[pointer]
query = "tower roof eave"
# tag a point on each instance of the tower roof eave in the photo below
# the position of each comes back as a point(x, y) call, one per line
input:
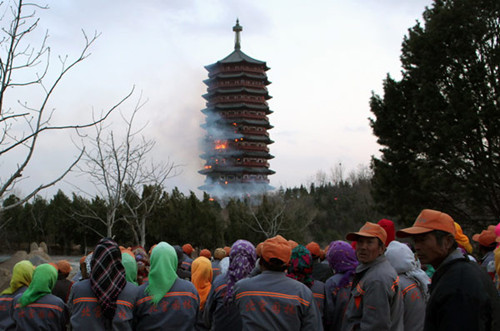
point(235, 57)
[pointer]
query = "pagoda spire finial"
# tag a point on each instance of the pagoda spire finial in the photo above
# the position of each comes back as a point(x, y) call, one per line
point(237, 28)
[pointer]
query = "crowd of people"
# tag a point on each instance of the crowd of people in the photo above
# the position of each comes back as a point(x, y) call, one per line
point(430, 281)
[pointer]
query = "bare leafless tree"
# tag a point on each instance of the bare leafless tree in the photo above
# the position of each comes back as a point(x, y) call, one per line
point(24, 66)
point(280, 215)
point(121, 170)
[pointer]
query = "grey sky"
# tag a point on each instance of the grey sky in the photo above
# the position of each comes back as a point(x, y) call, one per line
point(325, 58)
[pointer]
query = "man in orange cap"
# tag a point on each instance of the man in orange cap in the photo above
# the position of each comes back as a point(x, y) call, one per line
point(63, 284)
point(462, 296)
point(487, 244)
point(273, 301)
point(187, 260)
point(375, 301)
point(321, 271)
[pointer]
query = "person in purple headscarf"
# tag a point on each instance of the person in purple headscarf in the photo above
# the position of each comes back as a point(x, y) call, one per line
point(220, 312)
point(342, 259)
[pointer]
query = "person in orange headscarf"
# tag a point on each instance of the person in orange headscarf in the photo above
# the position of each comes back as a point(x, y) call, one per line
point(201, 277)
point(461, 239)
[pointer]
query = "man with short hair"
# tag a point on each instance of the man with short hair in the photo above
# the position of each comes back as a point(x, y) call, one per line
point(375, 300)
point(462, 296)
point(271, 300)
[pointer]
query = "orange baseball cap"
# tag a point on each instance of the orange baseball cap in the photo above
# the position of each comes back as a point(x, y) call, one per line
point(206, 253)
point(485, 238)
point(429, 220)
point(258, 249)
point(314, 248)
point(277, 248)
point(187, 248)
point(293, 244)
point(64, 267)
point(371, 230)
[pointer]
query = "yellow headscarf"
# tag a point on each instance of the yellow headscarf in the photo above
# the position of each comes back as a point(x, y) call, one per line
point(201, 277)
point(21, 276)
point(462, 239)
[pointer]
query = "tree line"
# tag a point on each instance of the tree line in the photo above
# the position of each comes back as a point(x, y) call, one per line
point(322, 211)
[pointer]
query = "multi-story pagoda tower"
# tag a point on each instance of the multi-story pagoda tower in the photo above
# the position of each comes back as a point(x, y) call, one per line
point(236, 151)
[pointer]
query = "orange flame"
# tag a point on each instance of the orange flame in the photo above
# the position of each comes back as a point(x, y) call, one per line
point(220, 144)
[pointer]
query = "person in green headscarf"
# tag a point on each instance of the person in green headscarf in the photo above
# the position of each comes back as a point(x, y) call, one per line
point(166, 301)
point(37, 308)
point(21, 279)
point(44, 279)
point(130, 266)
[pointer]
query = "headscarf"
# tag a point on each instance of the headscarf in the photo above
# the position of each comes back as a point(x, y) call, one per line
point(130, 267)
point(88, 265)
point(388, 226)
point(342, 259)
point(301, 266)
point(163, 271)
point(22, 273)
point(107, 277)
point(142, 259)
point(201, 277)
point(403, 260)
point(44, 279)
point(462, 239)
point(219, 253)
point(241, 262)
point(224, 265)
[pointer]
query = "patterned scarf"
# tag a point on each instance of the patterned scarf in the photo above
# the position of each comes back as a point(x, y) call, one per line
point(301, 266)
point(21, 276)
point(44, 279)
point(242, 259)
point(107, 276)
point(163, 273)
point(342, 259)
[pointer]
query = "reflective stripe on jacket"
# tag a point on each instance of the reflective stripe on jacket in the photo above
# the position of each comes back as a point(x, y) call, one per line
point(85, 311)
point(272, 301)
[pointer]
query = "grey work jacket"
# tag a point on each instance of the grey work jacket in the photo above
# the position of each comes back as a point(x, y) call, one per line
point(375, 302)
point(272, 301)
point(413, 304)
point(86, 314)
point(177, 310)
point(47, 313)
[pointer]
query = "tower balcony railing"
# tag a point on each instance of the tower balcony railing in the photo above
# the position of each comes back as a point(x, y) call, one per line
point(254, 148)
point(237, 99)
point(255, 132)
point(256, 181)
point(254, 164)
point(241, 68)
point(247, 115)
point(237, 84)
